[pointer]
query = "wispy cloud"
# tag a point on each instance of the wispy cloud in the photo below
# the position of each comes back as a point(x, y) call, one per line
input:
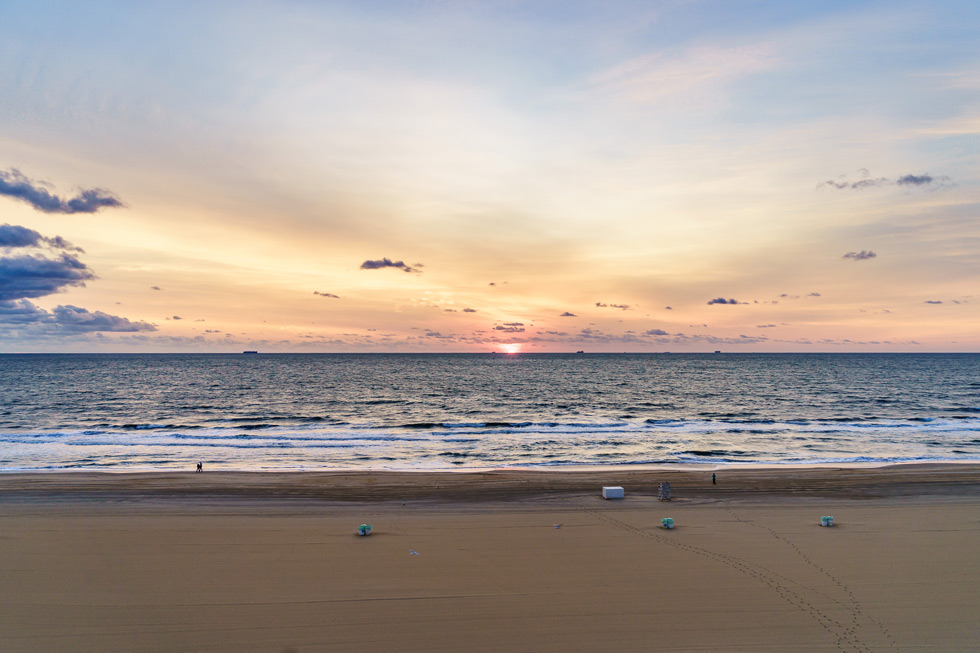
point(14, 184)
point(622, 307)
point(655, 77)
point(865, 181)
point(863, 255)
point(568, 314)
point(388, 263)
point(326, 294)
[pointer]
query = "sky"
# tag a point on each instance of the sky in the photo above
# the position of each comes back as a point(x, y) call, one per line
point(439, 176)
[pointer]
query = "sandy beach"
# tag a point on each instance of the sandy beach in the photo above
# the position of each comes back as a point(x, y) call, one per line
point(502, 560)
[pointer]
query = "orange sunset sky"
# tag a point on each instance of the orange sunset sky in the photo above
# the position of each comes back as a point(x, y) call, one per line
point(500, 176)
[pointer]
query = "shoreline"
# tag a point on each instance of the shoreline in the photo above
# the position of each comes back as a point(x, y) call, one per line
point(562, 468)
point(842, 482)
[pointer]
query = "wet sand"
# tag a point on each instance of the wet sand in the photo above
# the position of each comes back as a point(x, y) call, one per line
point(272, 562)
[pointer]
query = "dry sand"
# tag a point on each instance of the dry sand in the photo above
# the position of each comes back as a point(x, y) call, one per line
point(271, 562)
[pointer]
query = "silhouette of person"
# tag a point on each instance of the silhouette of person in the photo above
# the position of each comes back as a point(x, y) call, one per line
point(200, 467)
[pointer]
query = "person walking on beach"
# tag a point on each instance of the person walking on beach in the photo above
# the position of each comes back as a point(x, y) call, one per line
point(200, 467)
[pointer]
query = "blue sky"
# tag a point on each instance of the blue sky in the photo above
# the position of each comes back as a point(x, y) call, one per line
point(547, 164)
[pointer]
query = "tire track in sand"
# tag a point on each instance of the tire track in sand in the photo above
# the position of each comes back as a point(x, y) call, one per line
point(851, 602)
point(844, 638)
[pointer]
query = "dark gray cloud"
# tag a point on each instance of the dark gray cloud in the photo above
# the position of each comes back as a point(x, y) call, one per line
point(567, 314)
point(79, 320)
point(36, 276)
point(20, 311)
point(915, 180)
point(513, 327)
point(155, 288)
point(469, 310)
point(16, 236)
point(656, 332)
point(624, 307)
point(16, 185)
point(863, 255)
point(388, 263)
point(64, 320)
point(933, 301)
point(722, 300)
point(326, 294)
point(176, 317)
point(669, 308)
point(813, 294)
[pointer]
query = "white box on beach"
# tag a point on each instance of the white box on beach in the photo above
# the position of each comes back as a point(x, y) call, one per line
point(613, 492)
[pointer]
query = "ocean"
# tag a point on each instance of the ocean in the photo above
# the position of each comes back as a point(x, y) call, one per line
point(137, 412)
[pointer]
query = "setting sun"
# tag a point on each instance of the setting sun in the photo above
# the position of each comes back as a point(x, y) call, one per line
point(512, 348)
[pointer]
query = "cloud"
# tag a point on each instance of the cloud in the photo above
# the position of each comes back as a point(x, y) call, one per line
point(685, 76)
point(16, 236)
point(325, 294)
point(668, 308)
point(176, 317)
point(841, 183)
point(469, 310)
point(722, 300)
point(388, 263)
point(155, 288)
point(863, 255)
point(80, 320)
point(20, 311)
point(624, 307)
point(36, 276)
point(511, 327)
point(765, 326)
point(656, 332)
point(16, 185)
point(65, 320)
point(567, 314)
point(866, 181)
point(915, 180)
point(813, 294)
point(933, 301)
